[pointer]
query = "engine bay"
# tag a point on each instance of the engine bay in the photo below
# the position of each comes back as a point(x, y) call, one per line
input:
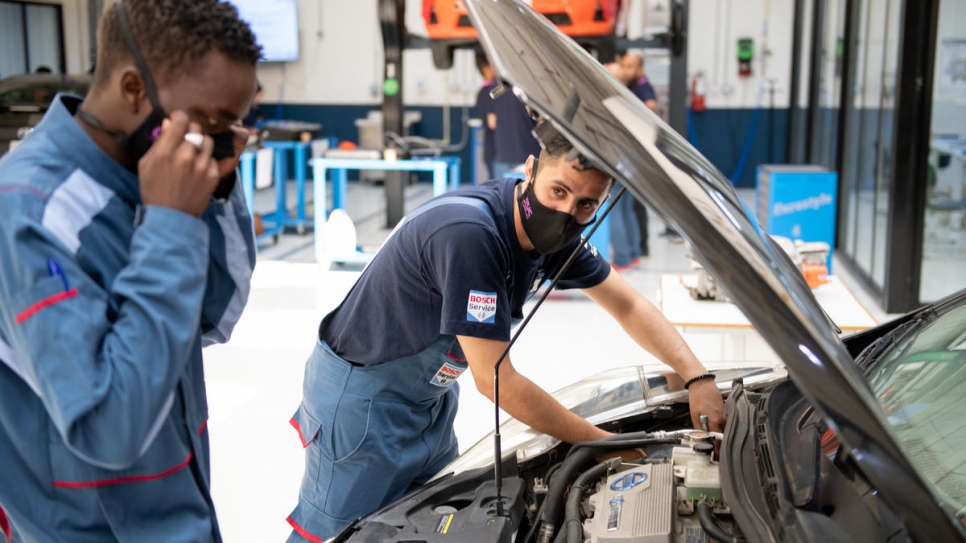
point(657, 499)
point(790, 486)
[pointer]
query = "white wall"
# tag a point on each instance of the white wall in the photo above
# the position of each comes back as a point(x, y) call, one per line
point(716, 26)
point(341, 61)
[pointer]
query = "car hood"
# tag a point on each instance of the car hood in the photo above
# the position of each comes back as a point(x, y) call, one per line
point(608, 125)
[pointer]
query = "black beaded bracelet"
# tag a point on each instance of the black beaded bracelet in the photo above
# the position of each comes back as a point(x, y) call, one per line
point(691, 381)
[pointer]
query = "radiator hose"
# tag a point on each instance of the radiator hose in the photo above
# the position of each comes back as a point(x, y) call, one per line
point(712, 528)
point(572, 530)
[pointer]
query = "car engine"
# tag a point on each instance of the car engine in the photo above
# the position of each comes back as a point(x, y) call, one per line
point(673, 495)
point(636, 504)
point(655, 500)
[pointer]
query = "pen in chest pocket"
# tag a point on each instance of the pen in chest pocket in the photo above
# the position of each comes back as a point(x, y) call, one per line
point(56, 271)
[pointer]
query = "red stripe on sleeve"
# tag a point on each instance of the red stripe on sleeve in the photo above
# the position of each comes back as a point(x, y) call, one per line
point(46, 302)
point(5, 526)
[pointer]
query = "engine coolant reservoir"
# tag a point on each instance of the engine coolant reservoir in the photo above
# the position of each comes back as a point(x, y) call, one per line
point(702, 478)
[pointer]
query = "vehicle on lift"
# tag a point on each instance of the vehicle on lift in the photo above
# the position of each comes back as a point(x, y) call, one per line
point(854, 439)
point(591, 23)
point(25, 98)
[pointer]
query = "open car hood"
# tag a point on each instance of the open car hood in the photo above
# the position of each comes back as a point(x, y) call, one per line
point(608, 125)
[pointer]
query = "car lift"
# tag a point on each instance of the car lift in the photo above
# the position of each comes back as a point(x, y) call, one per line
point(395, 38)
point(392, 16)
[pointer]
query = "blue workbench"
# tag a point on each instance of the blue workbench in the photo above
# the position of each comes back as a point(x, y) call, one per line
point(276, 221)
point(339, 167)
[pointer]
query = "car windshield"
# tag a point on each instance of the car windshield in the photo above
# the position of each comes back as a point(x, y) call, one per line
point(920, 385)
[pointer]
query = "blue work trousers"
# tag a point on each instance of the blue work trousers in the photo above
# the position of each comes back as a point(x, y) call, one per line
point(625, 234)
point(372, 433)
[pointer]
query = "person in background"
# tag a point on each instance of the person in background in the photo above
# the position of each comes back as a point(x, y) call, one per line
point(484, 107)
point(624, 230)
point(125, 247)
point(632, 66)
point(512, 127)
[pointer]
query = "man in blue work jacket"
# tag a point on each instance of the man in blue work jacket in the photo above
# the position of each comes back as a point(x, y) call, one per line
point(380, 392)
point(125, 246)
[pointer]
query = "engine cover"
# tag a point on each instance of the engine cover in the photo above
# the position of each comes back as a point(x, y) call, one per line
point(636, 505)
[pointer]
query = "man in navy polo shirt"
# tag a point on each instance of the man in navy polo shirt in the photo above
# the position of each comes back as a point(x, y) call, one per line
point(633, 67)
point(380, 390)
point(512, 128)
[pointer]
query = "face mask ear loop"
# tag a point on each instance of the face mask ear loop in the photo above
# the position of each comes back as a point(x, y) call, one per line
point(149, 87)
point(90, 119)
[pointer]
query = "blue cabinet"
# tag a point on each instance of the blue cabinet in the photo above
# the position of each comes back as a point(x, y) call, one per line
point(798, 202)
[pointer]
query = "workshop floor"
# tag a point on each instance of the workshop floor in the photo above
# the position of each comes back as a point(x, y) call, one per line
point(255, 381)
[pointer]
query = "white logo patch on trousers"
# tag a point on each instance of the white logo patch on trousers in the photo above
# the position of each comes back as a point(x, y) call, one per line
point(446, 374)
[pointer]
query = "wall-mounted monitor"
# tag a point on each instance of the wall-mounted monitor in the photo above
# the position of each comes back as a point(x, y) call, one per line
point(276, 27)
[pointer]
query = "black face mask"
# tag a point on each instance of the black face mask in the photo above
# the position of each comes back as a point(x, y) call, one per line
point(143, 137)
point(548, 229)
point(224, 145)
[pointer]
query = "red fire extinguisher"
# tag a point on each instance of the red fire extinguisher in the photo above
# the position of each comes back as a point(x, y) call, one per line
point(698, 91)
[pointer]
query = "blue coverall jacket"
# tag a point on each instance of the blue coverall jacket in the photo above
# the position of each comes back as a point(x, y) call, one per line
point(104, 308)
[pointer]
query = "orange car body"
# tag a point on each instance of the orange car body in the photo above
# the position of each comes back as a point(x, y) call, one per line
point(447, 19)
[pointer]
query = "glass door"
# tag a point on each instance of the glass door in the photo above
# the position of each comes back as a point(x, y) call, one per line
point(944, 228)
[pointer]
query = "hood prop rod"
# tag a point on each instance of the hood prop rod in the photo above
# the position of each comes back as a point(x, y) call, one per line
point(497, 447)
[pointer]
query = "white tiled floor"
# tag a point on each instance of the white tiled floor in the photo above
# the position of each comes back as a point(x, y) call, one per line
point(254, 381)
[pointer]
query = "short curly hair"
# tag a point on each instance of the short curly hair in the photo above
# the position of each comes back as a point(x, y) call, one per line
point(174, 34)
point(556, 147)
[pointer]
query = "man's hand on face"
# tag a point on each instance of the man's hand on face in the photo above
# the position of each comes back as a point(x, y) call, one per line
point(176, 174)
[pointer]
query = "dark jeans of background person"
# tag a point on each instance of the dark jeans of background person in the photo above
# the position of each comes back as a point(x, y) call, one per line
point(640, 211)
point(624, 232)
